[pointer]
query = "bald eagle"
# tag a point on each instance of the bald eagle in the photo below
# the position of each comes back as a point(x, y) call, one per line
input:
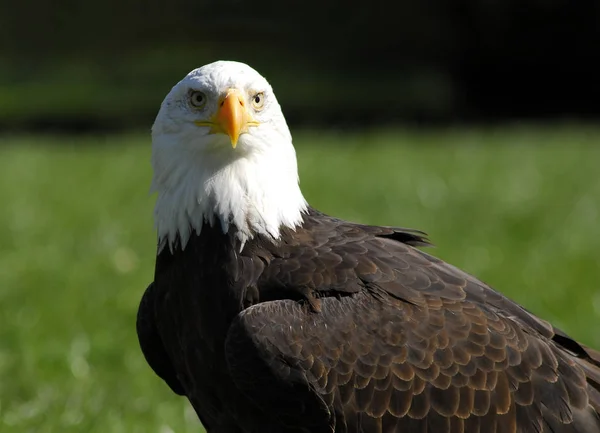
point(272, 317)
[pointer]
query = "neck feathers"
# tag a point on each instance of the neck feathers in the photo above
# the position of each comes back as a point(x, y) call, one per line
point(244, 192)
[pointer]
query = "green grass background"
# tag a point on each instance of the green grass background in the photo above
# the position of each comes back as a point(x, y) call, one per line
point(518, 207)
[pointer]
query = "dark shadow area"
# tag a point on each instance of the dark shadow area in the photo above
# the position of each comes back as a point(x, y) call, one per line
point(106, 66)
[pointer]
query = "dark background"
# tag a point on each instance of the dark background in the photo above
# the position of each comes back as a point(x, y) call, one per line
point(96, 66)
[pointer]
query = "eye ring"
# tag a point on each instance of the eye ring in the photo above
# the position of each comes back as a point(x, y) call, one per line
point(258, 100)
point(197, 99)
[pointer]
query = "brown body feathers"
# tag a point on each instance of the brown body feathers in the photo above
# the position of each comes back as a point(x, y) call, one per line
point(341, 327)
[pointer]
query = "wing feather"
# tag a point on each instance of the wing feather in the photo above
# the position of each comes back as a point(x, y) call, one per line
point(404, 342)
point(151, 343)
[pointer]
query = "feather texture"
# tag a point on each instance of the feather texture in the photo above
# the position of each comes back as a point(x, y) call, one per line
point(400, 341)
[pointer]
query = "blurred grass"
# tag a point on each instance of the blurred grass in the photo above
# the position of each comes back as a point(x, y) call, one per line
point(517, 207)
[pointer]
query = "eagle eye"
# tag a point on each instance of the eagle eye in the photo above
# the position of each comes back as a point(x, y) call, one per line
point(197, 99)
point(258, 100)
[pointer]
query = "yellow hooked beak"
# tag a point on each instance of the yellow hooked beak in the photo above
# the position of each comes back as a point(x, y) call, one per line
point(232, 117)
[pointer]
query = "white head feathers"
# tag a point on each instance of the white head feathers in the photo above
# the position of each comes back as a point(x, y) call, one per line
point(199, 172)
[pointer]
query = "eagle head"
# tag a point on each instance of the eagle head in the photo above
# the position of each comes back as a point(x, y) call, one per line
point(222, 156)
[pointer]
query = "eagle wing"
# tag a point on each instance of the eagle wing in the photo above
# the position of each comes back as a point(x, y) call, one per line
point(394, 340)
point(151, 343)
